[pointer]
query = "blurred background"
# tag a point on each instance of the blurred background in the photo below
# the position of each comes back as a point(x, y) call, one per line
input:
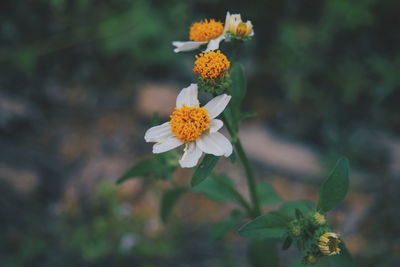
point(80, 80)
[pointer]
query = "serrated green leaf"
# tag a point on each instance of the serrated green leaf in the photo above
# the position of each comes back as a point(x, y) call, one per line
point(268, 225)
point(220, 229)
point(204, 169)
point(144, 167)
point(334, 189)
point(267, 194)
point(263, 253)
point(168, 201)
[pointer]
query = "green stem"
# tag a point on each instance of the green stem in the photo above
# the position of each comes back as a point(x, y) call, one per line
point(250, 178)
point(256, 211)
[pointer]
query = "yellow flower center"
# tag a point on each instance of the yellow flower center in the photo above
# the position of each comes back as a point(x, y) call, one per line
point(241, 29)
point(211, 64)
point(205, 30)
point(188, 123)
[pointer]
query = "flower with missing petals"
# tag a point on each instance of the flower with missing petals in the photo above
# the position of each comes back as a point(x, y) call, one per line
point(210, 32)
point(329, 244)
point(194, 126)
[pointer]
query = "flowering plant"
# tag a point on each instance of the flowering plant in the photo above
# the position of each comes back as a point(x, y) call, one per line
point(196, 127)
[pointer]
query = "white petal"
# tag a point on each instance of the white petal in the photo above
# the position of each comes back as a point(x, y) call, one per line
point(216, 105)
point(166, 144)
point(158, 133)
point(188, 96)
point(186, 46)
point(215, 125)
point(213, 44)
point(216, 144)
point(227, 18)
point(191, 156)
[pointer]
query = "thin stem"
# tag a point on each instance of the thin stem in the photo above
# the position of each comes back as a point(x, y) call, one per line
point(250, 178)
point(256, 211)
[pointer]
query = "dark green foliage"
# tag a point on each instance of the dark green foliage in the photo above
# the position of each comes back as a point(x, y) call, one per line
point(268, 225)
point(267, 194)
point(263, 253)
point(142, 168)
point(168, 201)
point(220, 229)
point(334, 189)
point(204, 169)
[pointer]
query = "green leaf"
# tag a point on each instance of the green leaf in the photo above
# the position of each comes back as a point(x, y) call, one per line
point(247, 114)
point(218, 187)
point(233, 157)
point(220, 229)
point(287, 243)
point(334, 189)
point(298, 213)
point(238, 84)
point(165, 164)
point(268, 225)
point(169, 200)
point(289, 208)
point(204, 169)
point(267, 194)
point(263, 253)
point(144, 167)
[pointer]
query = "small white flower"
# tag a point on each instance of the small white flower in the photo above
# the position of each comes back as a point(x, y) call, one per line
point(235, 26)
point(194, 126)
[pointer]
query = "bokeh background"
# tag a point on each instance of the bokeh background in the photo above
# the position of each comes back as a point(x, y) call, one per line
point(80, 80)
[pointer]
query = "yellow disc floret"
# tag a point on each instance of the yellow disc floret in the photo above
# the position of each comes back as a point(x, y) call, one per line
point(189, 123)
point(329, 244)
point(205, 30)
point(211, 64)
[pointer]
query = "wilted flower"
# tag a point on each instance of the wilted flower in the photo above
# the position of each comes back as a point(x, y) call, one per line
point(194, 126)
point(236, 28)
point(329, 244)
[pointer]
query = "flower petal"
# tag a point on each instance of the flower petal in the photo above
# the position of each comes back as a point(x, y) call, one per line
point(186, 46)
point(227, 18)
point(158, 133)
point(213, 44)
point(188, 96)
point(166, 145)
point(216, 144)
point(216, 105)
point(191, 156)
point(215, 125)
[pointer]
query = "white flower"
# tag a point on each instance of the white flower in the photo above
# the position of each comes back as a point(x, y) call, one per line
point(210, 32)
point(235, 26)
point(194, 126)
